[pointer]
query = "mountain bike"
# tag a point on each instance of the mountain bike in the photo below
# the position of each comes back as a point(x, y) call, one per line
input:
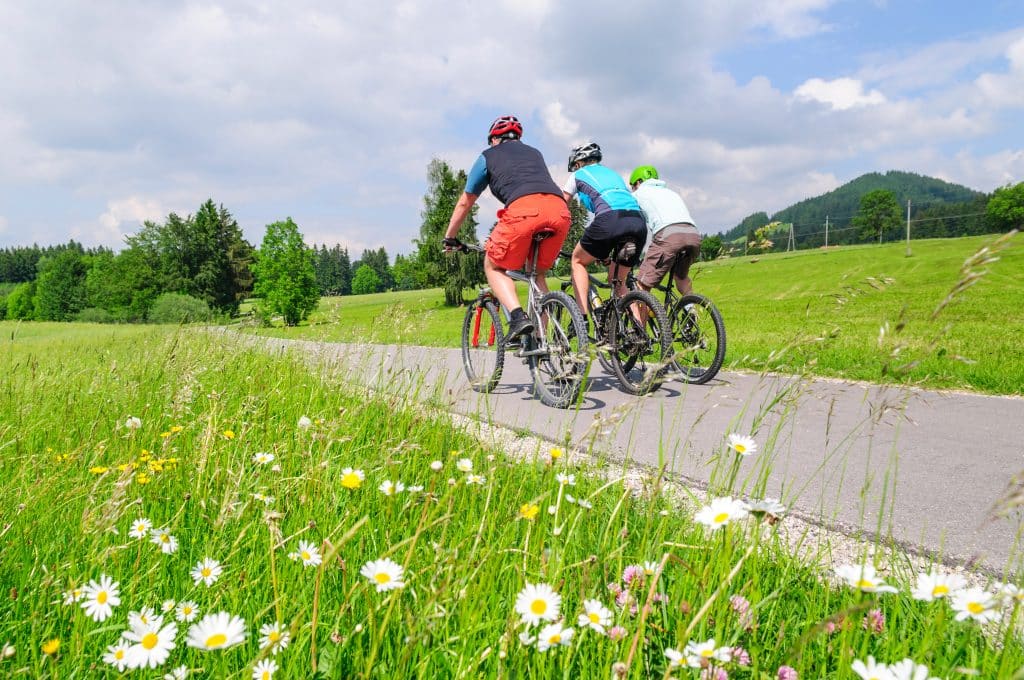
point(556, 351)
point(698, 334)
point(632, 332)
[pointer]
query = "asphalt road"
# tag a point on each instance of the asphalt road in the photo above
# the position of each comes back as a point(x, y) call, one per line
point(924, 468)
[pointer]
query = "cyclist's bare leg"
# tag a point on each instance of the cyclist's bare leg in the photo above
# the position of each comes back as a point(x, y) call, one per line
point(503, 287)
point(684, 286)
point(580, 279)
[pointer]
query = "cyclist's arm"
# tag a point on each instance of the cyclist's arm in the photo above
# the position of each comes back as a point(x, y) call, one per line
point(462, 208)
point(476, 182)
point(569, 188)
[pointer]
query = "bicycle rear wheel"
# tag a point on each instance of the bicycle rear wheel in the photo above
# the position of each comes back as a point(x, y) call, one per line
point(640, 351)
point(483, 353)
point(698, 339)
point(560, 369)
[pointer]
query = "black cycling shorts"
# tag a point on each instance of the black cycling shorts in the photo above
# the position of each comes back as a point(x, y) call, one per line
point(609, 228)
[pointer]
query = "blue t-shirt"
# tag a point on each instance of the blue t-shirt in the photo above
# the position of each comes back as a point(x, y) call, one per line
point(600, 189)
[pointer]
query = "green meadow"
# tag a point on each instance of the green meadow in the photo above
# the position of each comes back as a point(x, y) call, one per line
point(178, 501)
point(820, 311)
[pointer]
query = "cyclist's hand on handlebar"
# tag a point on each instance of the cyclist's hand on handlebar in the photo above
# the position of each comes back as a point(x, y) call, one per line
point(453, 244)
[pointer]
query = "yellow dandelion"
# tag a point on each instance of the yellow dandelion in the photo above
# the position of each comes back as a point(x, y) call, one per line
point(556, 453)
point(529, 511)
point(98, 469)
point(50, 647)
point(176, 428)
point(165, 435)
point(228, 434)
point(142, 478)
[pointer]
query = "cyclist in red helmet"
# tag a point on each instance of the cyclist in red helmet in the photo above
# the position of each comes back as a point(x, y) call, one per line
point(518, 177)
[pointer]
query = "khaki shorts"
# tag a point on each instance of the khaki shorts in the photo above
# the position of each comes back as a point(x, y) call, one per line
point(676, 251)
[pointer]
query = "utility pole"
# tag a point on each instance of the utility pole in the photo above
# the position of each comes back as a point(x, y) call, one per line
point(791, 243)
point(826, 231)
point(908, 227)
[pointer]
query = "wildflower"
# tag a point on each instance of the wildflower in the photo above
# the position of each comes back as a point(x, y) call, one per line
point(908, 670)
point(153, 643)
point(713, 673)
point(162, 537)
point(553, 635)
point(787, 673)
point(264, 498)
point(265, 669)
point(167, 606)
point(51, 646)
point(585, 504)
point(142, 478)
point(464, 465)
point(616, 633)
point(873, 621)
point(595, 615)
point(871, 670)
point(117, 656)
point(304, 423)
point(863, 577)
point(7, 651)
point(721, 512)
point(389, 488)
point(650, 568)
point(308, 553)
point(555, 453)
point(133, 423)
point(186, 611)
point(99, 469)
point(73, 595)
point(179, 673)
point(101, 597)
point(529, 511)
point(479, 480)
point(207, 571)
point(415, 488)
point(144, 617)
point(675, 657)
point(740, 656)
point(974, 603)
point(384, 573)
point(351, 478)
point(436, 465)
point(770, 508)
point(275, 638)
point(565, 480)
point(633, 575)
point(526, 639)
point(935, 585)
point(536, 603)
point(1009, 592)
point(228, 434)
point(699, 654)
point(741, 606)
point(263, 458)
point(742, 444)
point(217, 631)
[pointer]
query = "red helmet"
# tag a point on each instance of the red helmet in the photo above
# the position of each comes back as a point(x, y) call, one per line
point(506, 127)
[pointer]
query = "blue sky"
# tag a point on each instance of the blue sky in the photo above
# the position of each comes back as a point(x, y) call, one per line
point(329, 112)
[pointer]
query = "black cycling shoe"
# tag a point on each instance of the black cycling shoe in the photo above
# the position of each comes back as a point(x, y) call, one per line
point(518, 328)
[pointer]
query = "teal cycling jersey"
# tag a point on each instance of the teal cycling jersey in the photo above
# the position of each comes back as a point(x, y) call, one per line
point(600, 189)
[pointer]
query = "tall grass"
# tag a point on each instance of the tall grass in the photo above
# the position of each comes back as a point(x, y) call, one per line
point(102, 427)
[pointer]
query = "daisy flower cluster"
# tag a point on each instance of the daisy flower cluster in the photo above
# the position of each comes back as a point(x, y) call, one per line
point(907, 669)
point(540, 605)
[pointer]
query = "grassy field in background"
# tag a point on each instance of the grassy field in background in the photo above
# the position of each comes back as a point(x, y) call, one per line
point(819, 311)
point(250, 460)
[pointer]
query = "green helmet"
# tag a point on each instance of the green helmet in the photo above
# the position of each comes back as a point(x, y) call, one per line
point(643, 172)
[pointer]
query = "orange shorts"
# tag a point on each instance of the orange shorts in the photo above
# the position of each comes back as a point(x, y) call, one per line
point(508, 246)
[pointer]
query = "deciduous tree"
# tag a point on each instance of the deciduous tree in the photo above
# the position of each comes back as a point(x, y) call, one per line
point(285, 279)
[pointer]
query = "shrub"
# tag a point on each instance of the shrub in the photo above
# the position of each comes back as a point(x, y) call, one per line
point(20, 303)
point(178, 308)
point(95, 315)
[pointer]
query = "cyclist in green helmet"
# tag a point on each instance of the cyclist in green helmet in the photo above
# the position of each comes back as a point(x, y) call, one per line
point(674, 242)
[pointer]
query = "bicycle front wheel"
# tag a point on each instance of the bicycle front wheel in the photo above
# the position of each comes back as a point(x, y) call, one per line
point(640, 337)
point(698, 339)
point(559, 365)
point(483, 353)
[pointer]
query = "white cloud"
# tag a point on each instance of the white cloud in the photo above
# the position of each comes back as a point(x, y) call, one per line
point(122, 217)
point(1005, 90)
point(557, 123)
point(3, 224)
point(840, 94)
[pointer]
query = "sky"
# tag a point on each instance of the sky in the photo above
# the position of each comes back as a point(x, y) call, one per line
point(329, 112)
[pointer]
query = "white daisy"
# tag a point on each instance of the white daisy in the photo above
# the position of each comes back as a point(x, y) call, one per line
point(384, 573)
point(1008, 592)
point(304, 423)
point(308, 554)
point(436, 465)
point(207, 571)
point(389, 488)
point(263, 458)
point(274, 636)
point(769, 507)
point(565, 479)
point(553, 635)
point(585, 504)
point(720, 512)
point(479, 480)
point(117, 656)
point(975, 603)
point(153, 643)
point(909, 670)
point(73, 595)
point(186, 611)
point(144, 617)
point(179, 673)
point(264, 498)
point(936, 585)
point(526, 638)
point(871, 670)
point(698, 654)
point(352, 479)
point(674, 656)
point(167, 606)
point(595, 615)
point(163, 538)
point(464, 465)
point(742, 444)
point(415, 488)
point(217, 631)
point(651, 568)
point(536, 603)
point(264, 670)
point(140, 528)
point(863, 577)
point(100, 598)
point(133, 423)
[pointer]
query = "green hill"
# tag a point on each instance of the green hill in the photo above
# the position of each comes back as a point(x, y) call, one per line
point(928, 196)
